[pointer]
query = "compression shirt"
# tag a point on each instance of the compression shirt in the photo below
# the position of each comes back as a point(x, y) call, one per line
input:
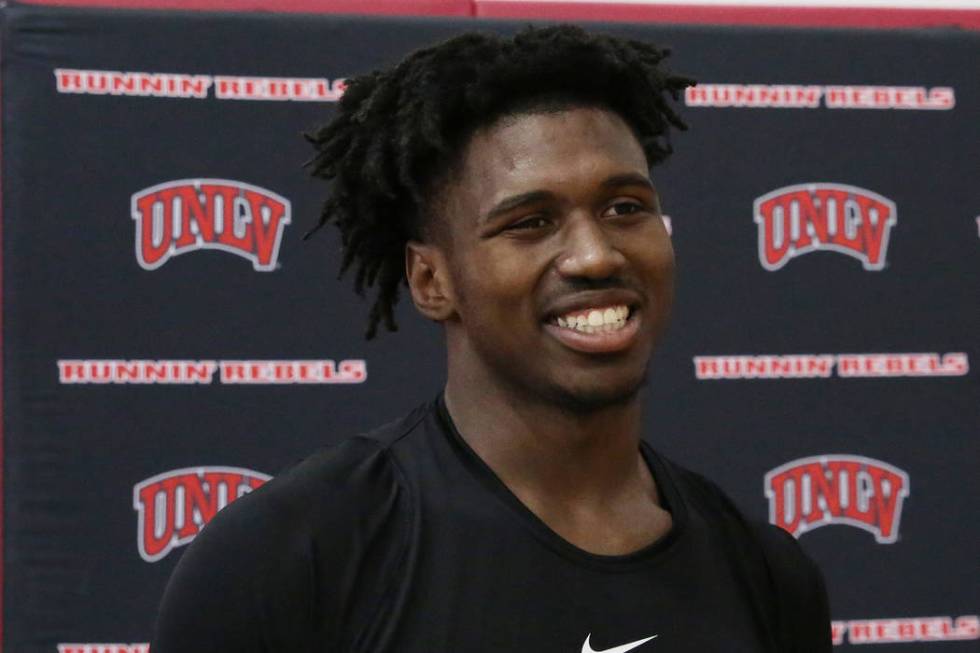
point(404, 541)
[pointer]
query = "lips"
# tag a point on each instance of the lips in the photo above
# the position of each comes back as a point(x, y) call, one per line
point(604, 342)
point(596, 323)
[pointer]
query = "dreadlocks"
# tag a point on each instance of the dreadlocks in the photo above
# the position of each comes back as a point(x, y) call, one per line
point(399, 132)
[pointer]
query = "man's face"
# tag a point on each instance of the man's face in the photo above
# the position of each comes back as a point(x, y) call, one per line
point(560, 265)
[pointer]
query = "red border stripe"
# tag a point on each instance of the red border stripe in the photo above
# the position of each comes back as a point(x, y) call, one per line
point(867, 17)
point(386, 7)
point(737, 15)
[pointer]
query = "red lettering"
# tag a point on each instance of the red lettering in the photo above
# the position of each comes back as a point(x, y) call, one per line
point(96, 82)
point(906, 630)
point(196, 86)
point(352, 370)
point(199, 371)
point(837, 630)
point(808, 96)
point(128, 371)
point(786, 499)
point(204, 497)
point(812, 220)
point(847, 221)
point(705, 367)
point(859, 507)
point(227, 87)
point(197, 500)
point(123, 84)
point(942, 98)
point(968, 627)
point(197, 218)
point(71, 371)
point(774, 238)
point(268, 218)
point(155, 546)
point(822, 487)
point(238, 220)
point(232, 372)
point(154, 230)
point(860, 632)
point(821, 366)
point(157, 371)
point(68, 81)
point(876, 217)
point(889, 487)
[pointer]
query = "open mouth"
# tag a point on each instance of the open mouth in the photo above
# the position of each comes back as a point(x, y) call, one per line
point(598, 329)
point(606, 319)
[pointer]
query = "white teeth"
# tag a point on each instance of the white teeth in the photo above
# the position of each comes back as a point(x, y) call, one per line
point(604, 320)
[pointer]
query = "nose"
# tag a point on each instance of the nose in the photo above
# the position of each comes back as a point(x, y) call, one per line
point(587, 250)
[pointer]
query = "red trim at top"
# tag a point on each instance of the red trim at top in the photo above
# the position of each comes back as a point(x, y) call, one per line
point(578, 11)
point(738, 15)
point(390, 7)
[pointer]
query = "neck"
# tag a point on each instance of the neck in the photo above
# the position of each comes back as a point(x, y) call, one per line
point(544, 451)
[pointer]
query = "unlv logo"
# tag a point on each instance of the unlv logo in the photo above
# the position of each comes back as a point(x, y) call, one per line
point(796, 220)
point(190, 214)
point(837, 489)
point(174, 506)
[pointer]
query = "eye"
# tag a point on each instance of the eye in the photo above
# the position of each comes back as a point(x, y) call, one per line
point(528, 224)
point(624, 207)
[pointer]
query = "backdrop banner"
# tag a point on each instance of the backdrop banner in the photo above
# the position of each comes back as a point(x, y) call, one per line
point(170, 342)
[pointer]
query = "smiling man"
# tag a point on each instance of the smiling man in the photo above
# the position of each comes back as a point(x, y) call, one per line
point(506, 182)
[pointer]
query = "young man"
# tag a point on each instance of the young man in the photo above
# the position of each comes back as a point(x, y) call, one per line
point(507, 182)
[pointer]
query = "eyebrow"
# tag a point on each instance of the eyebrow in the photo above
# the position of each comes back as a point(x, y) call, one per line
point(629, 179)
point(515, 201)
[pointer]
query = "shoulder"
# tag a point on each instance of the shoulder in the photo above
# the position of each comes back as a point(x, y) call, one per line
point(702, 491)
point(255, 571)
point(801, 594)
point(786, 580)
point(783, 554)
point(337, 496)
point(332, 487)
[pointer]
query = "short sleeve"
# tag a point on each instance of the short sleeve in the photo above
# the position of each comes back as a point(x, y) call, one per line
point(243, 585)
point(295, 566)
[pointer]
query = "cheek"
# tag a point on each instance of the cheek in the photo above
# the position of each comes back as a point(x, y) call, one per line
point(502, 270)
point(493, 280)
point(665, 285)
point(654, 255)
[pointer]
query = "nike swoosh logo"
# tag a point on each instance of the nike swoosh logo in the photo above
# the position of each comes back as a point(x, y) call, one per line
point(587, 646)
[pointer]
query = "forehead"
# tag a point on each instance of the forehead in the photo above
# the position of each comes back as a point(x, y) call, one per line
point(555, 151)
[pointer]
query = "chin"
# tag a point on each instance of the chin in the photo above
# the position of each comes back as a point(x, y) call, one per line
point(594, 398)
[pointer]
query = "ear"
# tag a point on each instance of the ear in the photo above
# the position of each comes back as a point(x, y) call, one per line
point(427, 272)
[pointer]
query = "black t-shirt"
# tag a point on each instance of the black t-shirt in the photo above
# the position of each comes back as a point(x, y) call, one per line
point(404, 541)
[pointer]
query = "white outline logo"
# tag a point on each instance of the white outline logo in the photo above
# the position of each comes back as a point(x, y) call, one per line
point(587, 646)
point(803, 218)
point(187, 215)
point(807, 493)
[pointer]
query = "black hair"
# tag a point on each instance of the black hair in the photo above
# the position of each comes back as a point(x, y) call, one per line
point(399, 132)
